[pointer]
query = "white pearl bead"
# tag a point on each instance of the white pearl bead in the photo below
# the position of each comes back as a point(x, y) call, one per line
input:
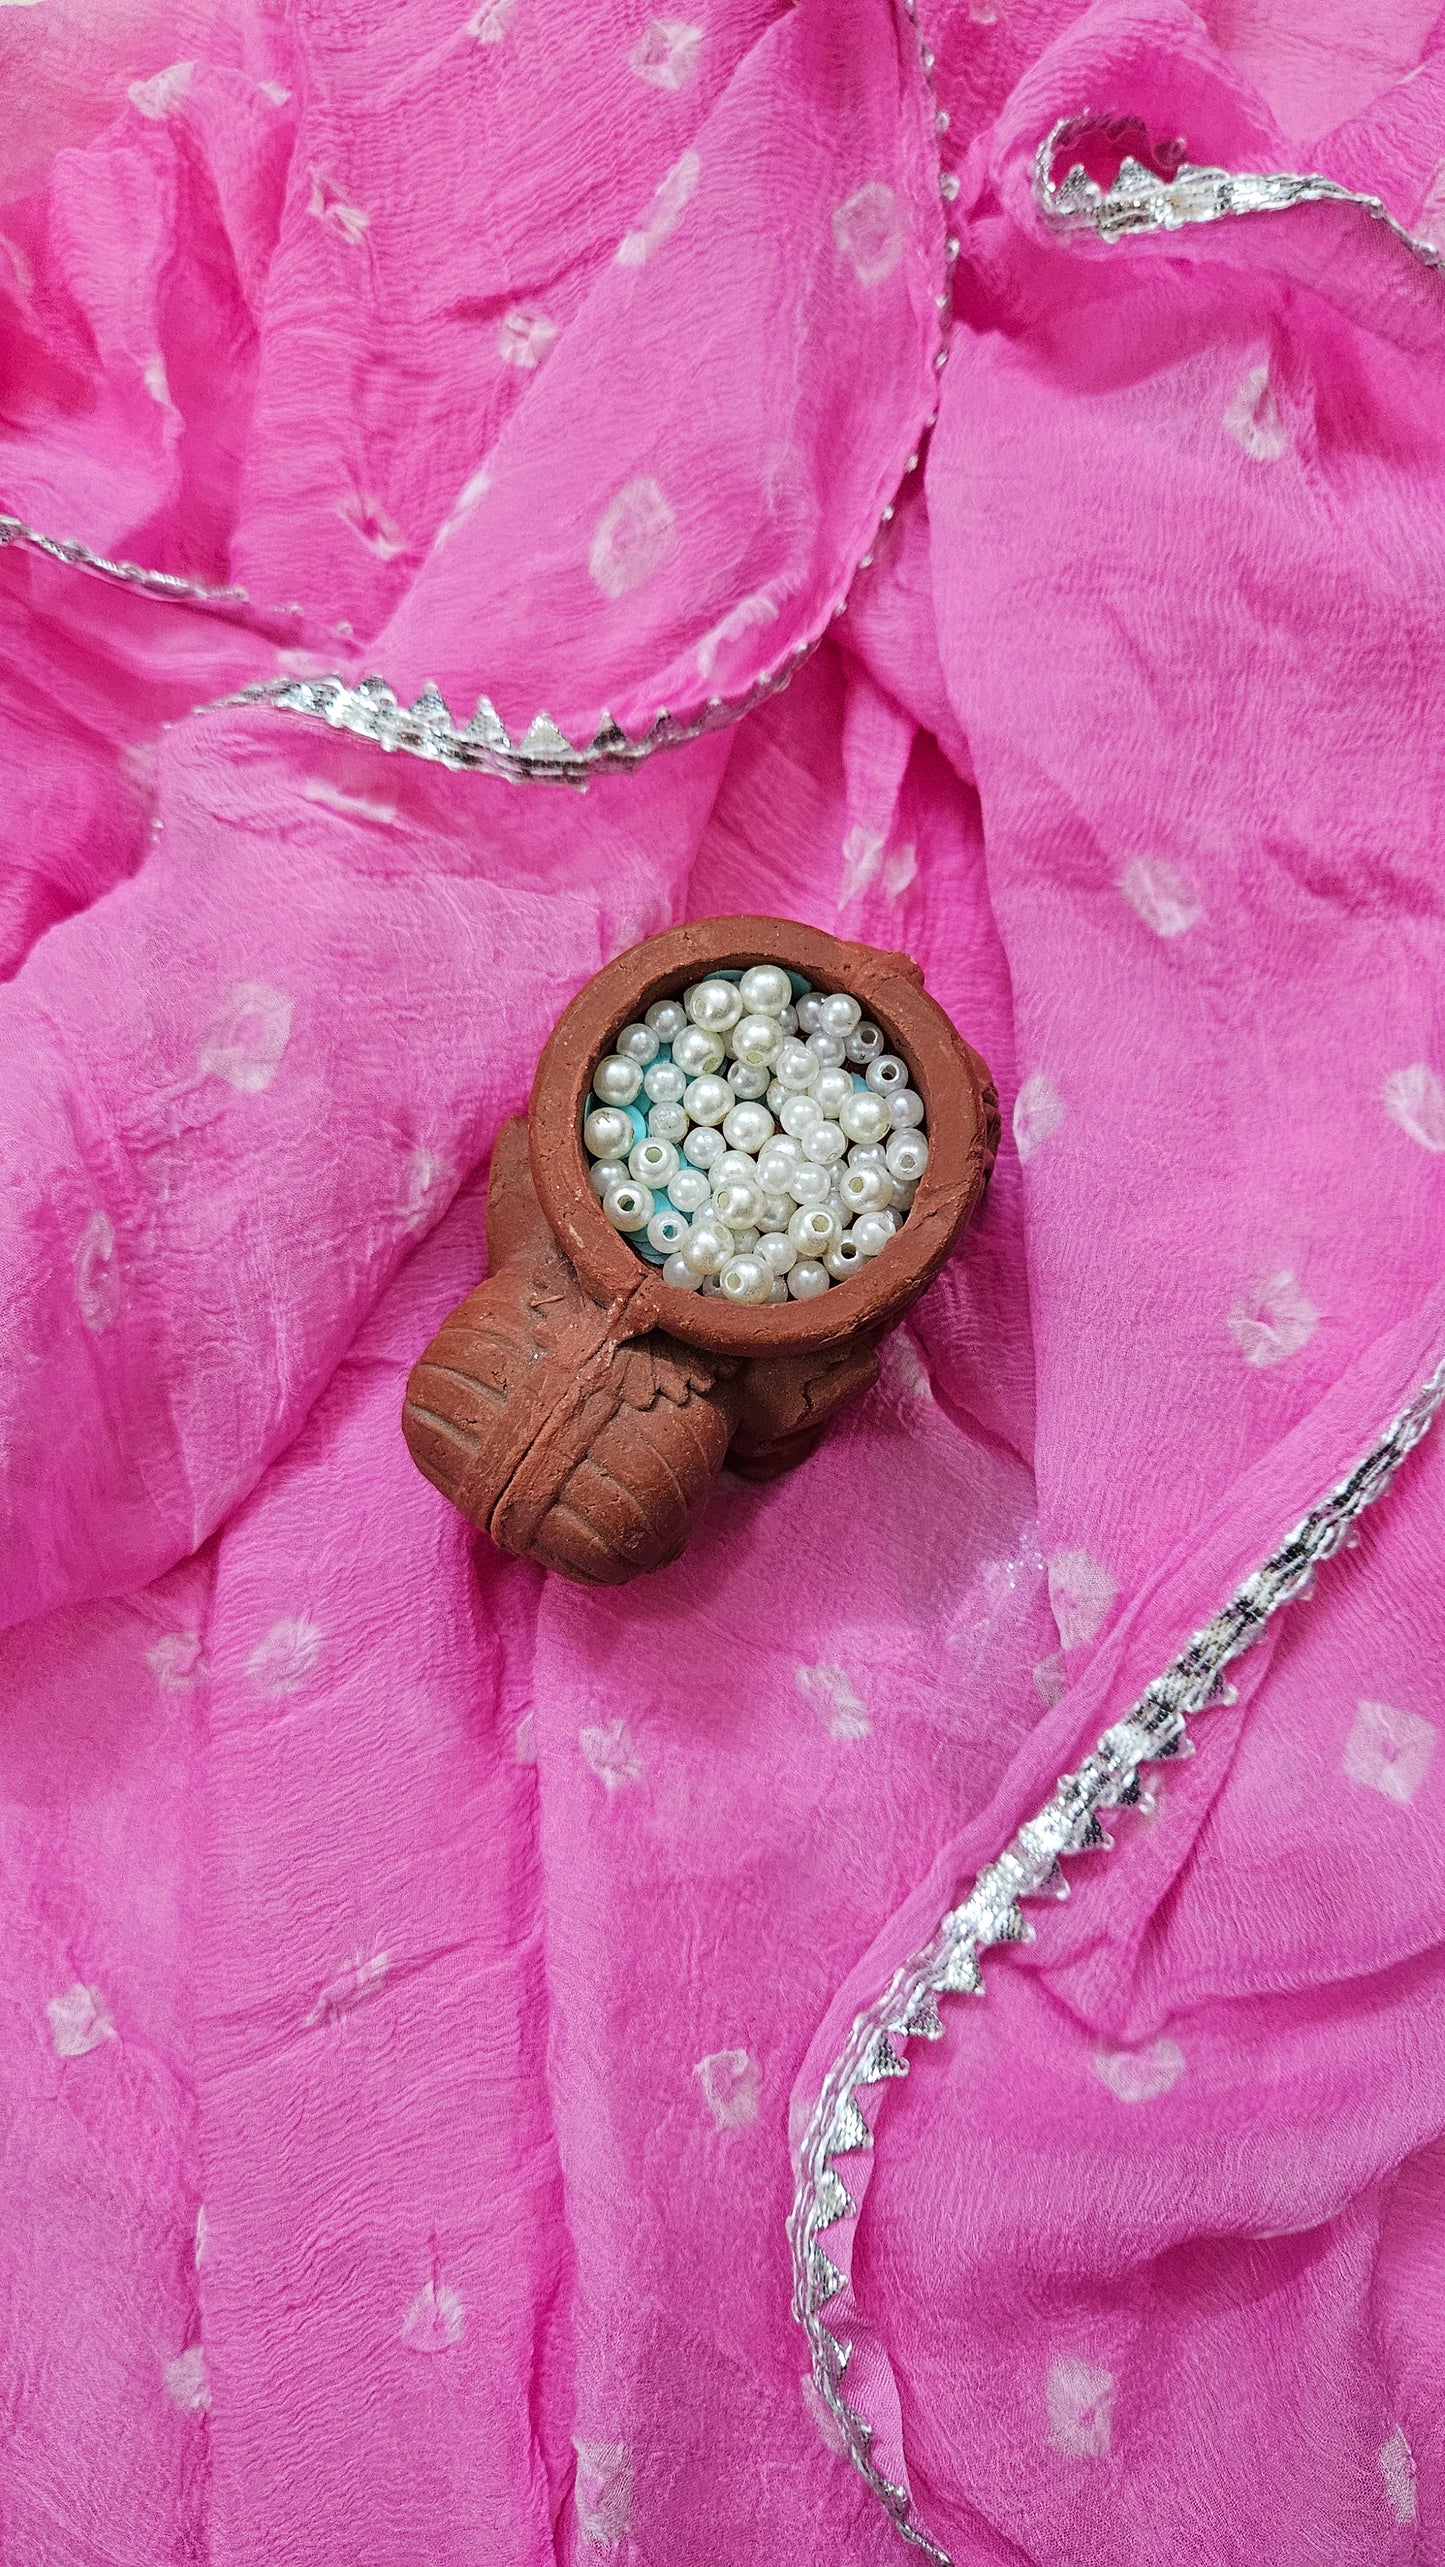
point(779, 1291)
point(813, 1229)
point(711, 1288)
point(887, 1074)
point(709, 1099)
point(747, 1280)
point(757, 1040)
point(833, 1091)
point(628, 1206)
point(667, 1230)
point(777, 1252)
point(810, 1012)
point(697, 1052)
point(703, 1146)
point(605, 1174)
point(798, 1114)
point(708, 1246)
point(653, 1162)
point(844, 1258)
point(739, 1203)
point(615, 1081)
point(873, 1230)
point(690, 1190)
point(775, 1159)
point(808, 1279)
point(905, 1110)
point(902, 1202)
point(907, 1157)
point(796, 1068)
point(744, 1241)
point(747, 1082)
point(668, 1122)
point(867, 1154)
point(789, 1020)
point(608, 1132)
point(776, 1096)
point(824, 1143)
point(865, 1043)
point(841, 1014)
point(778, 1210)
point(677, 1272)
point(748, 1127)
point(664, 1083)
point(765, 990)
point(714, 1004)
point(808, 1183)
point(667, 1019)
point(864, 1116)
point(733, 1163)
point(864, 1190)
point(638, 1043)
point(827, 1049)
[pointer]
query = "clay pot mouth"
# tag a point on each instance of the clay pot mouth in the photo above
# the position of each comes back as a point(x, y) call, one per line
point(889, 987)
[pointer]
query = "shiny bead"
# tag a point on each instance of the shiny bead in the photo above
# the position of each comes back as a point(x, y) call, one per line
point(744, 1241)
point(833, 1091)
point(798, 1114)
point(902, 1203)
point(789, 1020)
point(867, 1154)
point(709, 1099)
point(743, 1081)
point(778, 1210)
point(748, 1127)
point(628, 1206)
point(697, 1052)
point(873, 1230)
point(844, 1258)
point(810, 1013)
point(827, 1049)
point(605, 1174)
point(905, 1109)
point(864, 1116)
point(668, 1122)
point(887, 1074)
point(840, 1014)
point(779, 1291)
point(824, 1143)
point(638, 1043)
point(667, 1019)
point(865, 1043)
point(653, 1163)
point(808, 1183)
point(703, 1146)
point(667, 1230)
point(776, 1092)
point(690, 1190)
point(711, 1288)
point(796, 1068)
point(708, 1246)
point(664, 1083)
point(747, 1280)
point(733, 1164)
point(608, 1132)
point(907, 1157)
point(714, 1004)
point(864, 1190)
point(615, 1081)
point(757, 1040)
point(775, 1159)
point(807, 1279)
point(765, 990)
point(677, 1272)
point(813, 1229)
point(739, 1203)
point(777, 1252)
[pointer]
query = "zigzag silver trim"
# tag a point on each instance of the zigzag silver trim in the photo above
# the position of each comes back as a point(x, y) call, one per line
point(1139, 200)
point(1029, 1867)
point(153, 583)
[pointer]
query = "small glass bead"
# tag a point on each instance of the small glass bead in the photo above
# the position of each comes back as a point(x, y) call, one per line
point(813, 1229)
point(833, 1091)
point(664, 1083)
point(608, 1132)
point(703, 1146)
point(873, 1230)
point(668, 1122)
point(905, 1109)
point(864, 1116)
point(697, 1052)
point(667, 1019)
point(747, 1280)
point(714, 1004)
point(844, 1258)
point(757, 1040)
point(708, 1246)
point(865, 1043)
point(733, 1163)
point(739, 1203)
point(748, 1127)
point(887, 1074)
point(798, 1114)
point(865, 1190)
point(690, 1190)
point(827, 1049)
point(808, 1183)
point(796, 1067)
point(747, 1082)
point(615, 1081)
point(810, 1013)
point(709, 1099)
point(824, 1143)
point(605, 1174)
point(841, 1014)
point(653, 1163)
point(628, 1206)
point(779, 1291)
point(765, 990)
point(807, 1279)
point(777, 1252)
point(677, 1272)
point(638, 1043)
point(907, 1156)
point(667, 1230)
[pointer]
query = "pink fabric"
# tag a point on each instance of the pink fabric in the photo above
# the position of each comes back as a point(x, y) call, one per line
point(417, 1967)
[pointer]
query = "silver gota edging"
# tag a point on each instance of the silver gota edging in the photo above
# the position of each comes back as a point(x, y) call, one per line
point(1070, 1823)
point(152, 583)
point(1139, 200)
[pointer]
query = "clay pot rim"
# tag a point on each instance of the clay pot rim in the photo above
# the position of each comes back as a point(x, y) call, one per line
point(949, 1076)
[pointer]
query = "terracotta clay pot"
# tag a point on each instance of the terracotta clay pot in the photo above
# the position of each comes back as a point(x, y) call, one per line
point(576, 1407)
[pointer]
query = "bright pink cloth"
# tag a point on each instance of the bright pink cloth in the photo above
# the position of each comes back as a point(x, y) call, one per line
point(416, 1966)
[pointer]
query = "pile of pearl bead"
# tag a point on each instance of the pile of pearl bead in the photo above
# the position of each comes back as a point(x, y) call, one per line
point(754, 1137)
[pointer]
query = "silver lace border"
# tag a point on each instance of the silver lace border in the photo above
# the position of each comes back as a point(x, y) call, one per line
point(1139, 200)
point(1070, 1823)
point(150, 583)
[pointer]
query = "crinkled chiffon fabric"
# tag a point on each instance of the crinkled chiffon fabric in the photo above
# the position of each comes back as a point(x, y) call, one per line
point(421, 1974)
